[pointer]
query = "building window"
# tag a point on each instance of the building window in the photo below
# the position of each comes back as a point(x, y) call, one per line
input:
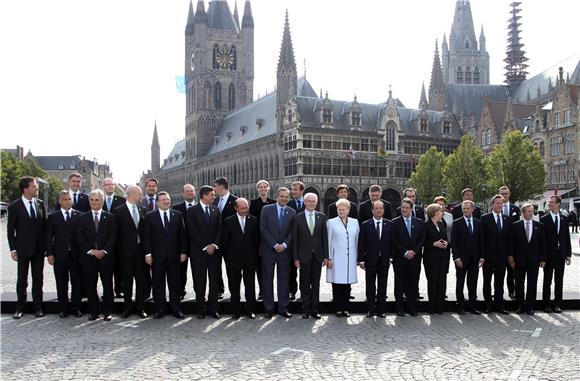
point(216, 50)
point(555, 146)
point(459, 75)
point(446, 127)
point(234, 55)
point(327, 116)
point(61, 166)
point(467, 75)
point(557, 119)
point(567, 118)
point(483, 135)
point(476, 76)
point(390, 136)
point(488, 136)
point(217, 97)
point(232, 97)
point(467, 45)
point(290, 142)
point(569, 144)
point(355, 118)
point(423, 124)
point(290, 116)
point(542, 149)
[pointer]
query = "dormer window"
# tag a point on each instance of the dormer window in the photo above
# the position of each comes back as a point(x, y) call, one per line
point(423, 125)
point(355, 118)
point(61, 166)
point(326, 116)
point(446, 127)
point(259, 123)
point(229, 135)
point(243, 130)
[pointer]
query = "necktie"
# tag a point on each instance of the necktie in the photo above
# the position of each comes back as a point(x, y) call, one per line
point(221, 204)
point(151, 206)
point(67, 218)
point(469, 226)
point(498, 223)
point(207, 215)
point(528, 231)
point(297, 204)
point(408, 222)
point(311, 223)
point(378, 227)
point(165, 221)
point(243, 224)
point(109, 202)
point(74, 199)
point(506, 211)
point(135, 216)
point(281, 217)
point(414, 214)
point(97, 222)
point(32, 212)
point(556, 225)
point(189, 205)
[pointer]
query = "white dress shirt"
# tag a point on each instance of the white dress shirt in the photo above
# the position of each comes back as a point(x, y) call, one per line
point(27, 205)
point(375, 221)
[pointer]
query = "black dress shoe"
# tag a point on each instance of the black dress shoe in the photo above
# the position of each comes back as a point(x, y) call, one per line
point(126, 314)
point(108, 317)
point(201, 315)
point(419, 297)
point(269, 315)
point(215, 315)
point(305, 316)
point(382, 315)
point(316, 316)
point(530, 312)
point(158, 315)
point(220, 295)
point(512, 295)
point(548, 309)
point(39, 313)
point(178, 315)
point(17, 315)
point(557, 310)
point(520, 310)
point(475, 312)
point(400, 313)
point(339, 314)
point(251, 315)
point(487, 311)
point(286, 315)
point(259, 298)
point(142, 314)
point(236, 316)
point(370, 314)
point(413, 313)
point(62, 315)
point(346, 314)
point(351, 297)
point(461, 311)
point(292, 297)
point(93, 317)
point(503, 312)
point(119, 295)
point(77, 314)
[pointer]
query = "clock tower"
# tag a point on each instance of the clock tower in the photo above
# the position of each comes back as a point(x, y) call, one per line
point(219, 69)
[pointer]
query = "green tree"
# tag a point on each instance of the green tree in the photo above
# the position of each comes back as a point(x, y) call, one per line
point(464, 168)
point(428, 175)
point(9, 176)
point(516, 163)
point(55, 186)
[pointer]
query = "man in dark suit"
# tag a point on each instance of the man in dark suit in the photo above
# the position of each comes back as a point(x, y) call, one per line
point(26, 220)
point(365, 209)
point(417, 211)
point(96, 234)
point(296, 203)
point(409, 238)
point(495, 229)
point(62, 253)
point(527, 253)
point(512, 212)
point(343, 192)
point(240, 241)
point(129, 219)
point(457, 211)
point(164, 242)
point(203, 223)
point(310, 253)
point(276, 232)
point(466, 242)
point(375, 250)
point(80, 199)
point(225, 201)
point(112, 201)
point(149, 202)
point(188, 195)
point(559, 254)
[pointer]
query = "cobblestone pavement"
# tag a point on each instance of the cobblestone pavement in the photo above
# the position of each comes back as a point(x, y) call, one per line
point(447, 347)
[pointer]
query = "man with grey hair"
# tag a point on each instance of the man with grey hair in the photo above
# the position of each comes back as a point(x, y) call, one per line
point(96, 234)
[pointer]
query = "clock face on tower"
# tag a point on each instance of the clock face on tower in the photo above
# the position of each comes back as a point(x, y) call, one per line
point(225, 58)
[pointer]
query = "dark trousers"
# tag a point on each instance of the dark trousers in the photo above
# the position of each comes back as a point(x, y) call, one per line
point(235, 276)
point(92, 271)
point(36, 263)
point(221, 287)
point(471, 271)
point(406, 282)
point(136, 269)
point(553, 270)
point(436, 273)
point(510, 280)
point(497, 270)
point(166, 273)
point(340, 296)
point(292, 278)
point(259, 275)
point(183, 276)
point(281, 262)
point(376, 275)
point(529, 271)
point(118, 276)
point(64, 271)
point(310, 285)
point(204, 267)
point(147, 282)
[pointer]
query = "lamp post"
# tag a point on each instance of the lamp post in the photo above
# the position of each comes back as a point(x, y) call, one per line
point(484, 189)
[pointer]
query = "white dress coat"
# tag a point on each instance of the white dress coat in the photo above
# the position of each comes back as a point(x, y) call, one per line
point(342, 250)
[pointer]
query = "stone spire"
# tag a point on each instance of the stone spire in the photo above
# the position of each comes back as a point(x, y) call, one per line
point(286, 72)
point(437, 85)
point(462, 36)
point(248, 19)
point(155, 151)
point(423, 104)
point(236, 17)
point(482, 40)
point(200, 15)
point(190, 19)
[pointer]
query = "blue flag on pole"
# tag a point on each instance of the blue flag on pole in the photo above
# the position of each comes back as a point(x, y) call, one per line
point(180, 84)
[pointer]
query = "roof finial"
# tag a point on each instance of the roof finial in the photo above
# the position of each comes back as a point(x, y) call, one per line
point(304, 68)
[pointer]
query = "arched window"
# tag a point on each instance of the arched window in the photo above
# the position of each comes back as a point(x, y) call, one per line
point(390, 135)
point(232, 97)
point(488, 136)
point(234, 52)
point(467, 44)
point(217, 97)
point(459, 75)
point(216, 49)
point(476, 76)
point(206, 95)
point(467, 75)
point(483, 142)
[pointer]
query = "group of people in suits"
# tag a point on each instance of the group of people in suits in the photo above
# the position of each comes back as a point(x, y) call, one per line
point(144, 243)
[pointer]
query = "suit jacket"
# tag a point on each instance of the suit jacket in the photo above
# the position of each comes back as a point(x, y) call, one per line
point(257, 204)
point(419, 212)
point(129, 237)
point(117, 201)
point(201, 232)
point(373, 249)
point(229, 207)
point(514, 213)
point(352, 213)
point(525, 252)
point(25, 235)
point(164, 245)
point(182, 207)
point(433, 235)
point(88, 238)
point(293, 205)
point(60, 236)
point(467, 246)
point(402, 241)
point(82, 204)
point(270, 230)
point(558, 246)
point(457, 212)
point(365, 211)
point(144, 203)
point(495, 244)
point(240, 248)
point(307, 245)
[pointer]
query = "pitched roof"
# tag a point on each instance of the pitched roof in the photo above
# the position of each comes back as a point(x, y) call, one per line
point(58, 162)
point(176, 157)
point(219, 16)
point(467, 99)
point(520, 112)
